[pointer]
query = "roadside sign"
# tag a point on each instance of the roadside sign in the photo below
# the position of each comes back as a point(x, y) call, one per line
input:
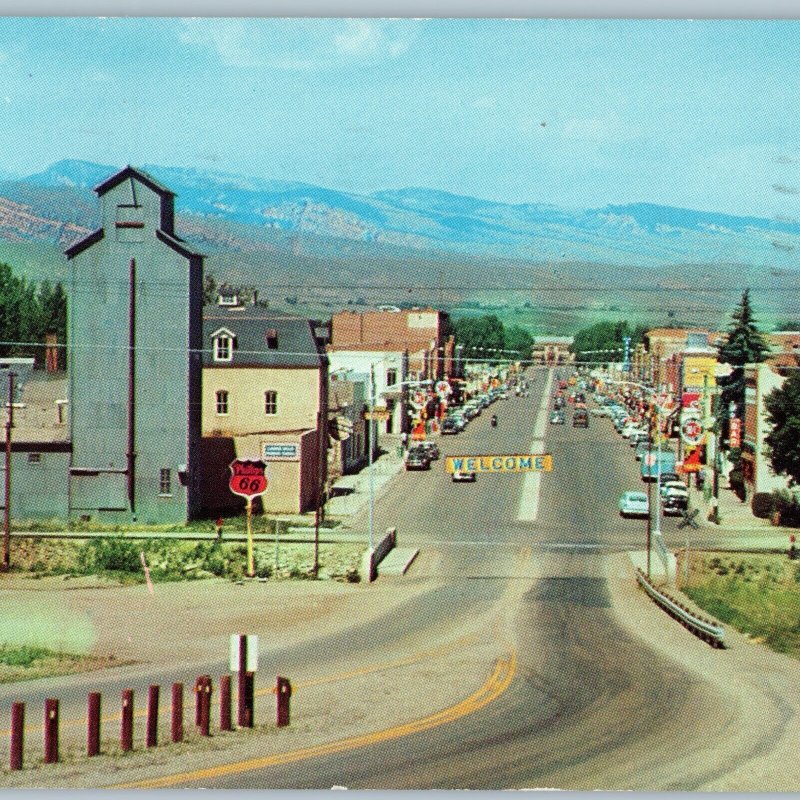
point(252, 653)
point(735, 433)
point(650, 459)
point(378, 415)
point(280, 451)
point(535, 462)
point(691, 431)
point(247, 477)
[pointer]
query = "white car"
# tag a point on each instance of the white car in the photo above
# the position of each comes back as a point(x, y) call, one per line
point(672, 487)
point(629, 429)
point(463, 477)
point(634, 504)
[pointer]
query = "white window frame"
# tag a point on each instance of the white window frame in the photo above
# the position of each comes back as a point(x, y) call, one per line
point(219, 401)
point(223, 348)
point(165, 482)
point(270, 402)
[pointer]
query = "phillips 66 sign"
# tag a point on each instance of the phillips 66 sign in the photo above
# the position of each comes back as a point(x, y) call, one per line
point(247, 477)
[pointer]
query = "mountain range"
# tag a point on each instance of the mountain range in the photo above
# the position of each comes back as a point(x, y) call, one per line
point(57, 205)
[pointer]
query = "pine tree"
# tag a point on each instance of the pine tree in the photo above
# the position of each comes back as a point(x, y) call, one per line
point(744, 345)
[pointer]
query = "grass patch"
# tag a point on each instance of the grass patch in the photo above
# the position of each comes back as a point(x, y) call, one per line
point(119, 560)
point(26, 662)
point(757, 594)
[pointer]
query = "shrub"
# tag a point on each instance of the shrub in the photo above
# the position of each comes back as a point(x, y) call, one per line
point(736, 481)
point(763, 505)
point(117, 555)
point(787, 504)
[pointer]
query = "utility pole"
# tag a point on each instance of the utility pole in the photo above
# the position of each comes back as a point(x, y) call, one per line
point(7, 512)
point(372, 429)
point(649, 489)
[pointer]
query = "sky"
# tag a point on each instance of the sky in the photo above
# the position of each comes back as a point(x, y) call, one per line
point(575, 113)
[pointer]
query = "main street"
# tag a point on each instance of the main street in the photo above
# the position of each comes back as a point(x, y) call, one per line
point(526, 578)
point(607, 691)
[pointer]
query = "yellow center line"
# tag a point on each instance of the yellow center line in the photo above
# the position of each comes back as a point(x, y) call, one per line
point(497, 683)
point(335, 678)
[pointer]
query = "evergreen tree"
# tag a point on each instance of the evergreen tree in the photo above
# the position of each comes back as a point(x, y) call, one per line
point(783, 413)
point(744, 345)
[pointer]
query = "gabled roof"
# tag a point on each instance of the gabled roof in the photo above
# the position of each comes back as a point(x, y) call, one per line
point(297, 345)
point(84, 243)
point(133, 172)
point(177, 244)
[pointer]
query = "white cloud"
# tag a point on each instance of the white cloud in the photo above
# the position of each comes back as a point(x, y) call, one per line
point(487, 101)
point(297, 44)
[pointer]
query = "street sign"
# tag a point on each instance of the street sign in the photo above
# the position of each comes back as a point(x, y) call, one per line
point(735, 434)
point(535, 462)
point(650, 459)
point(247, 477)
point(280, 451)
point(378, 415)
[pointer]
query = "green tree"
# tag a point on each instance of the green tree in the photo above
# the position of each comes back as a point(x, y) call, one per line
point(483, 338)
point(209, 289)
point(744, 345)
point(783, 414)
point(518, 343)
point(605, 341)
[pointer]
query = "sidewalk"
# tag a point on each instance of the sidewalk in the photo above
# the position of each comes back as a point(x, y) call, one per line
point(354, 490)
point(737, 524)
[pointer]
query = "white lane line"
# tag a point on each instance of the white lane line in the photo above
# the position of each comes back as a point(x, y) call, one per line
point(529, 501)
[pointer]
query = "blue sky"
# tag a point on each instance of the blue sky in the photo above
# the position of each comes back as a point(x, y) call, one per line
point(582, 113)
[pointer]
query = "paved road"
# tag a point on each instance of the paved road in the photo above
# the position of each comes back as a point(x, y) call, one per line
point(591, 705)
point(607, 692)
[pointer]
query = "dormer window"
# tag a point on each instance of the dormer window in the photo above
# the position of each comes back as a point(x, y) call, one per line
point(271, 338)
point(224, 343)
point(228, 299)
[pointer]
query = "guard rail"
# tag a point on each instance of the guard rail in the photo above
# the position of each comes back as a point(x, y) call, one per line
point(701, 627)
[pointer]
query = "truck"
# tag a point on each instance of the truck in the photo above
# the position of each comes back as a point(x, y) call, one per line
point(657, 463)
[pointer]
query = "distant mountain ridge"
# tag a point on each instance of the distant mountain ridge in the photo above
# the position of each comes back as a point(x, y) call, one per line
point(57, 205)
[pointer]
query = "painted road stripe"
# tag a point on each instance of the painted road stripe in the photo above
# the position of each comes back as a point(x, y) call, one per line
point(498, 682)
point(415, 658)
point(532, 483)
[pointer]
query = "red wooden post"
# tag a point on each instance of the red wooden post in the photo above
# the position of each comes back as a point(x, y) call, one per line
point(93, 725)
point(50, 730)
point(244, 720)
point(126, 726)
point(17, 734)
point(152, 717)
point(225, 703)
point(205, 706)
point(198, 700)
point(283, 691)
point(250, 683)
point(177, 712)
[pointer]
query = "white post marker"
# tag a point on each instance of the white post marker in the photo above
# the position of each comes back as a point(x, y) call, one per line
point(529, 501)
point(252, 653)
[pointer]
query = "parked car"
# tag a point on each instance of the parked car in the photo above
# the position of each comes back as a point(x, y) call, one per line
point(450, 426)
point(675, 503)
point(637, 437)
point(580, 419)
point(641, 449)
point(463, 477)
point(431, 448)
point(672, 486)
point(557, 418)
point(417, 458)
point(634, 504)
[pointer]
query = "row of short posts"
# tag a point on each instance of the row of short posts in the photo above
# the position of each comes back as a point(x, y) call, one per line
point(203, 695)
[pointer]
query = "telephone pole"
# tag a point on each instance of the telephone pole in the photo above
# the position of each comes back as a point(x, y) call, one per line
point(7, 511)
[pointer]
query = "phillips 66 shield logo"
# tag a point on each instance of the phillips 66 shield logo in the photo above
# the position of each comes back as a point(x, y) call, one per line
point(247, 477)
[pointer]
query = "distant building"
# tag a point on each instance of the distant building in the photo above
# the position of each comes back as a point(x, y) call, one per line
point(419, 332)
point(552, 349)
point(265, 384)
point(134, 339)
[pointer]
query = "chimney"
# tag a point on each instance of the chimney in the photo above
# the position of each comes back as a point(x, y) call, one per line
point(51, 359)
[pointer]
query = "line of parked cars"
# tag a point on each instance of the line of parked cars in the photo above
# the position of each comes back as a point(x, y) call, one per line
point(420, 455)
point(673, 494)
point(460, 416)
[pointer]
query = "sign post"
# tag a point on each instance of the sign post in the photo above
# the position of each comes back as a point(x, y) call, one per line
point(248, 480)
